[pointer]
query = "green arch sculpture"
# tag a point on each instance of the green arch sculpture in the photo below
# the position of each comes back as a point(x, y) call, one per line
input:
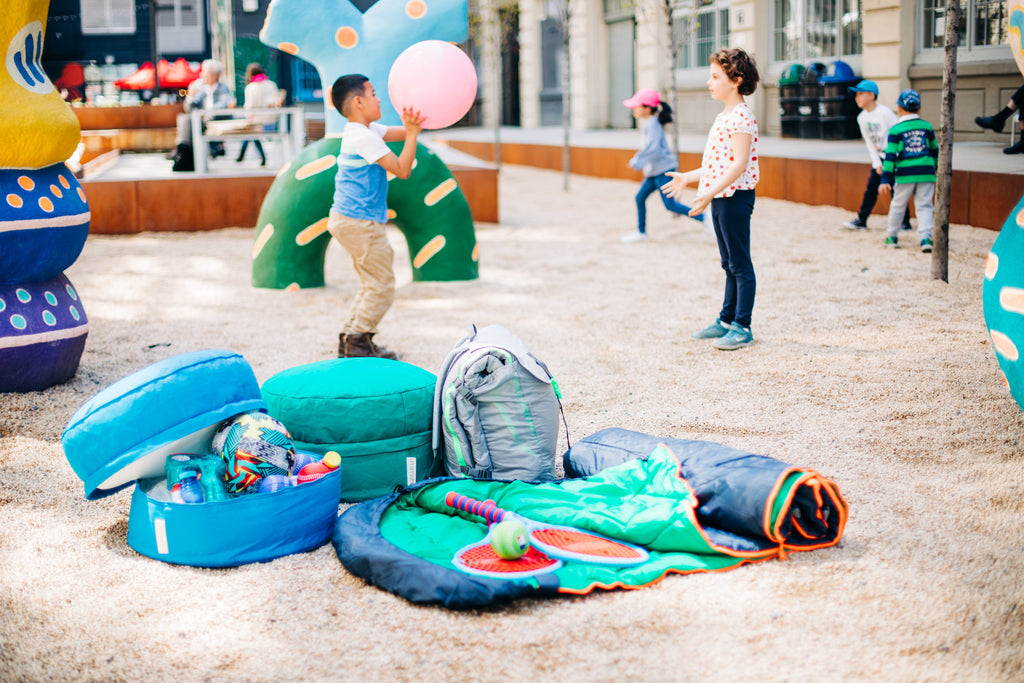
point(428, 207)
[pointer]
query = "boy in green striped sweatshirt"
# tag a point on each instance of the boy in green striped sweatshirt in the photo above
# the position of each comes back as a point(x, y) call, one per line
point(909, 169)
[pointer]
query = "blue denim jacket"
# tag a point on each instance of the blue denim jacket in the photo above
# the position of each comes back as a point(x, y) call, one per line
point(654, 157)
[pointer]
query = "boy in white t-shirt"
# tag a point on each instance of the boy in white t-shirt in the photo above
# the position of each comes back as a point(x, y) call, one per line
point(874, 120)
point(359, 211)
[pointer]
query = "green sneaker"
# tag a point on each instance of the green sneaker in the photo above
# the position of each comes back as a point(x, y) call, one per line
point(891, 242)
point(737, 338)
point(713, 331)
point(926, 245)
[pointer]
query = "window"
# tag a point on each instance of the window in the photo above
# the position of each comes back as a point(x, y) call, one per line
point(699, 28)
point(108, 16)
point(180, 26)
point(178, 14)
point(982, 23)
point(306, 81)
point(805, 30)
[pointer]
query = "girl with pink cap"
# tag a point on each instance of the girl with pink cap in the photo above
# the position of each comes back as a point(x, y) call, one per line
point(654, 159)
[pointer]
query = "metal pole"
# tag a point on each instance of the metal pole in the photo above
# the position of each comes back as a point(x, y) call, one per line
point(154, 50)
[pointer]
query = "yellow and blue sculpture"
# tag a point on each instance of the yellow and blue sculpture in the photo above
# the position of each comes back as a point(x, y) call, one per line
point(44, 216)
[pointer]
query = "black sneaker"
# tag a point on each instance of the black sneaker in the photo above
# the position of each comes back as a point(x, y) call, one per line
point(1015, 149)
point(990, 122)
point(856, 224)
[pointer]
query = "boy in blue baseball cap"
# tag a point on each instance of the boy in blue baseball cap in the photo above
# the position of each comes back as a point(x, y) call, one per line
point(874, 121)
point(909, 169)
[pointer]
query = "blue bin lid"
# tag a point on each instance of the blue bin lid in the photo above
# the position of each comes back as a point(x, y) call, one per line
point(126, 431)
point(839, 72)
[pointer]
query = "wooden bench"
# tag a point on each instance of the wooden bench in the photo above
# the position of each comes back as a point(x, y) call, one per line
point(222, 125)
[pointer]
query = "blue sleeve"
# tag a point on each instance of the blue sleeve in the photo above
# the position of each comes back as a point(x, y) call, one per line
point(651, 134)
point(222, 97)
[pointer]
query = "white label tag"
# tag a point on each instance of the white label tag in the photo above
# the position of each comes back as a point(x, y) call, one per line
point(410, 471)
point(160, 529)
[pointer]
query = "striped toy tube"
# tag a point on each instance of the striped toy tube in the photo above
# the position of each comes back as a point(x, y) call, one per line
point(481, 508)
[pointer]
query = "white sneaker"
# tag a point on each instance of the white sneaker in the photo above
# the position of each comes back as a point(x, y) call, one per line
point(634, 237)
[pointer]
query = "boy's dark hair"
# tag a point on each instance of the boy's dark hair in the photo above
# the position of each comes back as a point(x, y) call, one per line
point(345, 88)
point(664, 113)
point(736, 63)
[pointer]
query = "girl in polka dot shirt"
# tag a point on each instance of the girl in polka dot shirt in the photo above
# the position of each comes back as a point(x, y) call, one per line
point(726, 180)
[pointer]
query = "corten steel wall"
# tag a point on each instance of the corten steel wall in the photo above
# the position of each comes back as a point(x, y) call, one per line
point(197, 202)
point(141, 116)
point(979, 199)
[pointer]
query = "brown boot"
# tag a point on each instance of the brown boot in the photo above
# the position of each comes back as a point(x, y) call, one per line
point(361, 346)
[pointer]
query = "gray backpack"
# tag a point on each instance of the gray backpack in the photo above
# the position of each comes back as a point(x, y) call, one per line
point(496, 409)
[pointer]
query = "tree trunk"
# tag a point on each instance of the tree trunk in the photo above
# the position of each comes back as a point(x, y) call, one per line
point(566, 97)
point(673, 52)
point(944, 172)
point(499, 84)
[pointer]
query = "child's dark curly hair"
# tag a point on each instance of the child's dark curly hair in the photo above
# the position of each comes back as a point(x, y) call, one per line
point(737, 64)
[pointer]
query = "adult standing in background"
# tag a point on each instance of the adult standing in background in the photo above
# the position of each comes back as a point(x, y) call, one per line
point(260, 93)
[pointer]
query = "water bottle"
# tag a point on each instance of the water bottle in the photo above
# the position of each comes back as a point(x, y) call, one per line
point(175, 466)
point(315, 470)
point(188, 489)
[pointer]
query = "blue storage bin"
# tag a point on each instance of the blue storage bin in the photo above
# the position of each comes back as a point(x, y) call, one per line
point(124, 434)
point(251, 528)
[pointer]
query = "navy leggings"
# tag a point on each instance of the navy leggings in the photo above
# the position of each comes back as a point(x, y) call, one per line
point(731, 216)
point(649, 187)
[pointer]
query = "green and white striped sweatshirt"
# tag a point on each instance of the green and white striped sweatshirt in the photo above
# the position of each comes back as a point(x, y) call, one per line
point(911, 153)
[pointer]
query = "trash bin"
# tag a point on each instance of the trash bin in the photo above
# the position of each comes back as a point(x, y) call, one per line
point(838, 107)
point(810, 99)
point(789, 100)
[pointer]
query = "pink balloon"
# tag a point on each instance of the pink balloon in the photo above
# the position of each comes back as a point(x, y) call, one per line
point(435, 77)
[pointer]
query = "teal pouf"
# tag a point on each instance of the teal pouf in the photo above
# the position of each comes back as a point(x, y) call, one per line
point(375, 413)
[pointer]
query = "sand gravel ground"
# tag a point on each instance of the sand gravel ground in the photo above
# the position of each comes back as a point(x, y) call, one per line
point(865, 369)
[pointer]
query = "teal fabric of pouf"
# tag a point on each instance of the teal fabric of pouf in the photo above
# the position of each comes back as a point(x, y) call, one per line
point(375, 413)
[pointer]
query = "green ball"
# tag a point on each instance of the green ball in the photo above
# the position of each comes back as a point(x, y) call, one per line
point(510, 539)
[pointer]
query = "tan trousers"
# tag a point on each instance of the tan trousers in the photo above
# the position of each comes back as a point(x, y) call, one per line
point(373, 259)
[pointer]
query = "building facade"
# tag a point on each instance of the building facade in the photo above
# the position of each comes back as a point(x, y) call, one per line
point(617, 46)
point(115, 36)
